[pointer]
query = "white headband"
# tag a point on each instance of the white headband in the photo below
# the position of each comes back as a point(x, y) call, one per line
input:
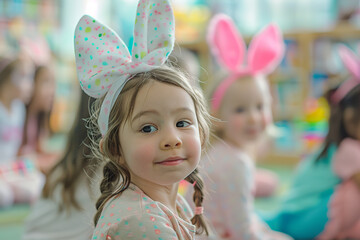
point(103, 61)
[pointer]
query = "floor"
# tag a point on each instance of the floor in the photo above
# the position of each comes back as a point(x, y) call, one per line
point(12, 219)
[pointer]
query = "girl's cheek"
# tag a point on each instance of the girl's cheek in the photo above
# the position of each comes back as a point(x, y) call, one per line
point(144, 152)
point(267, 119)
point(193, 146)
point(236, 122)
point(266, 116)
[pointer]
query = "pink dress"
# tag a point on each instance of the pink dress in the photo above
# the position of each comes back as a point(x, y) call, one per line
point(229, 180)
point(344, 213)
point(133, 215)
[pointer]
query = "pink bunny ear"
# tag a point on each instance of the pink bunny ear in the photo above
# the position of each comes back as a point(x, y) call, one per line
point(350, 60)
point(266, 50)
point(226, 42)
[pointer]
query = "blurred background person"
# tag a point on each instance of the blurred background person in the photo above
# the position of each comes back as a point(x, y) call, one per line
point(67, 204)
point(20, 182)
point(37, 122)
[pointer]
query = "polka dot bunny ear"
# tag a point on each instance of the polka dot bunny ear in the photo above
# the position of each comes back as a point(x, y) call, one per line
point(103, 61)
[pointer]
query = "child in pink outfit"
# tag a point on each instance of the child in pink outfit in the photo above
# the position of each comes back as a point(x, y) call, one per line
point(230, 202)
point(344, 210)
point(20, 182)
point(142, 217)
point(241, 102)
point(153, 124)
point(324, 195)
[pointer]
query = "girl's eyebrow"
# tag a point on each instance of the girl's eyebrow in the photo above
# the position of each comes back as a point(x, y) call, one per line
point(182, 109)
point(142, 113)
point(154, 112)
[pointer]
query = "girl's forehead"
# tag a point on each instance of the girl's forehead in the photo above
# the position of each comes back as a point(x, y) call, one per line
point(160, 95)
point(247, 90)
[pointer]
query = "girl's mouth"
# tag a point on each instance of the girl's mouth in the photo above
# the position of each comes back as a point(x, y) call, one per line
point(172, 161)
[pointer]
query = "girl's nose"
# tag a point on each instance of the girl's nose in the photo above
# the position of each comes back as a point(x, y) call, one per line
point(253, 116)
point(170, 140)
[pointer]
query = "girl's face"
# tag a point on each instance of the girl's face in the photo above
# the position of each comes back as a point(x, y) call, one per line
point(44, 90)
point(160, 142)
point(22, 81)
point(352, 125)
point(245, 111)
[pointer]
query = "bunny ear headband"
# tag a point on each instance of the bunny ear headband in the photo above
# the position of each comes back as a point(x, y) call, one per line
point(264, 54)
point(352, 63)
point(103, 61)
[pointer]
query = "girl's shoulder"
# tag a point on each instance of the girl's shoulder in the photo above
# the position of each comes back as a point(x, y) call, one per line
point(134, 202)
point(135, 214)
point(185, 207)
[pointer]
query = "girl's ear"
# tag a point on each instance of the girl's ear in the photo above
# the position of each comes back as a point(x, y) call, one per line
point(266, 50)
point(226, 42)
point(101, 145)
point(350, 60)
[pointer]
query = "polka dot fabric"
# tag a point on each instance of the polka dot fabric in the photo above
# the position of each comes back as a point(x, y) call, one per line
point(134, 215)
point(103, 61)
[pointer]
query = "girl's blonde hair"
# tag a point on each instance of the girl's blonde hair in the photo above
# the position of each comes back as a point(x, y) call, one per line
point(116, 175)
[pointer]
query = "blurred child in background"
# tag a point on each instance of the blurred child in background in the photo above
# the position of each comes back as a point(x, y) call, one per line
point(16, 86)
point(19, 180)
point(37, 121)
point(242, 103)
point(323, 201)
point(67, 205)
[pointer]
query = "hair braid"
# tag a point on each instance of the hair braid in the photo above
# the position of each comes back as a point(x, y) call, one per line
point(198, 220)
point(109, 186)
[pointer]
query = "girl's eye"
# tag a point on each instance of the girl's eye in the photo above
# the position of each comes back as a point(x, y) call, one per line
point(182, 124)
point(148, 129)
point(240, 110)
point(260, 107)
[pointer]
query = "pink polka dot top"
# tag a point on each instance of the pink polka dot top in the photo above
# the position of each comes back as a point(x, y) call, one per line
point(134, 215)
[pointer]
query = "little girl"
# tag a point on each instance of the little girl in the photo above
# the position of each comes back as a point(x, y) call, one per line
point(323, 198)
point(20, 182)
point(15, 89)
point(153, 125)
point(37, 121)
point(241, 102)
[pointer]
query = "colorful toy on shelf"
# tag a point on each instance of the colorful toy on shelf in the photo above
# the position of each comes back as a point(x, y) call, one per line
point(191, 22)
point(314, 127)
